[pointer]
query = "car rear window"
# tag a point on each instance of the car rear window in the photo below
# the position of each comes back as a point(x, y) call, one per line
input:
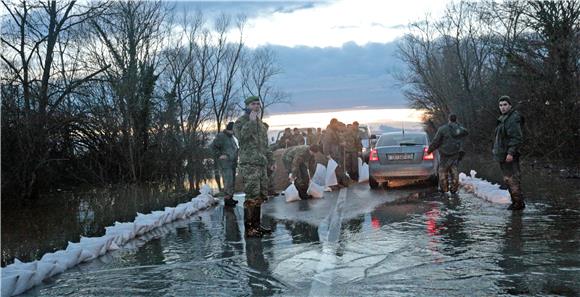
point(398, 139)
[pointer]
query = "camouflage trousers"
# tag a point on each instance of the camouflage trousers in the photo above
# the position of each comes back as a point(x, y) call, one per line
point(255, 180)
point(512, 178)
point(302, 181)
point(351, 165)
point(339, 158)
point(448, 170)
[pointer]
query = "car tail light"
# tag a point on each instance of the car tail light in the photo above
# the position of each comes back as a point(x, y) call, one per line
point(373, 156)
point(427, 156)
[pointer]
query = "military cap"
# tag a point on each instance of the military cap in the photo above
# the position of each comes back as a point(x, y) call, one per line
point(251, 99)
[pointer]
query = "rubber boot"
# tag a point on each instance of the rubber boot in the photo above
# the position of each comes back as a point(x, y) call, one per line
point(257, 208)
point(515, 193)
point(252, 229)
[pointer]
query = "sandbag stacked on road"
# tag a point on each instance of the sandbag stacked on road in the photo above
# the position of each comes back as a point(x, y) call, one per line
point(331, 179)
point(19, 276)
point(363, 171)
point(483, 189)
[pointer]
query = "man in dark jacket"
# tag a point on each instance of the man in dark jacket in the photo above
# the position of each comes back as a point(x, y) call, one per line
point(506, 150)
point(225, 151)
point(448, 140)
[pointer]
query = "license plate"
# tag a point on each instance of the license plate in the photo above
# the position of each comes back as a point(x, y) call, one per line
point(396, 157)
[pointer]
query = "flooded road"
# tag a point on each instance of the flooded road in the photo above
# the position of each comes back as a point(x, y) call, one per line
point(406, 241)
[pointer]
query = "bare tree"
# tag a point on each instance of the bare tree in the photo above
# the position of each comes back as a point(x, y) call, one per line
point(224, 67)
point(477, 51)
point(132, 35)
point(258, 71)
point(36, 36)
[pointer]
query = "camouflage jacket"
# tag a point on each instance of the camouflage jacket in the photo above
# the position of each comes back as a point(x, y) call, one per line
point(331, 141)
point(225, 145)
point(298, 139)
point(296, 156)
point(285, 141)
point(449, 139)
point(508, 136)
point(311, 139)
point(253, 139)
point(353, 143)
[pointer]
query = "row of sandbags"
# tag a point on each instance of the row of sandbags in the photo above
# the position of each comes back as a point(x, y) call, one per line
point(19, 276)
point(324, 177)
point(483, 189)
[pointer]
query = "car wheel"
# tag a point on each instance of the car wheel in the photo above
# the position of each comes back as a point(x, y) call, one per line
point(373, 183)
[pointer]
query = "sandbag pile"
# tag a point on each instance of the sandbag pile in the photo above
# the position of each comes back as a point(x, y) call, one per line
point(19, 276)
point(483, 189)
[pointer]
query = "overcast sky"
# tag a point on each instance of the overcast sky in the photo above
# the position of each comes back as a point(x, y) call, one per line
point(334, 54)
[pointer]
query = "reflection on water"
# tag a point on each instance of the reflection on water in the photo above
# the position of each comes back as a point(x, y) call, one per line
point(398, 242)
point(48, 225)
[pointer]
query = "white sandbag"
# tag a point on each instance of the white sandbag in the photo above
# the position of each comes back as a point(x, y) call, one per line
point(319, 177)
point(170, 217)
point(8, 284)
point(315, 190)
point(205, 190)
point(483, 189)
point(331, 179)
point(104, 242)
point(84, 254)
point(291, 193)
point(67, 258)
point(363, 171)
point(43, 270)
point(24, 281)
point(121, 232)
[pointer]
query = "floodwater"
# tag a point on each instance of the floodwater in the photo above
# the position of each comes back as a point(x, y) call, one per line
point(47, 226)
point(406, 241)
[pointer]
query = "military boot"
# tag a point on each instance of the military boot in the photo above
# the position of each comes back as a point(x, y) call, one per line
point(454, 187)
point(251, 223)
point(515, 193)
point(443, 182)
point(258, 217)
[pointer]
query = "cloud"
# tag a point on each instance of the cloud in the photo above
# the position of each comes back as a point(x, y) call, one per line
point(251, 9)
point(339, 77)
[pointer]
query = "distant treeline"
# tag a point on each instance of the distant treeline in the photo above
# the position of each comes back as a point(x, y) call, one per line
point(479, 50)
point(118, 92)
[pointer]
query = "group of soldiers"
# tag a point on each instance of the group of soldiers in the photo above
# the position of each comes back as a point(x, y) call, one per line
point(339, 142)
point(295, 137)
point(506, 151)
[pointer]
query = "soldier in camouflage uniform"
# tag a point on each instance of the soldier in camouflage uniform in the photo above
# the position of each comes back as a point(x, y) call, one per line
point(298, 137)
point(449, 141)
point(333, 144)
point(352, 149)
point(506, 150)
point(225, 150)
point(311, 137)
point(286, 140)
point(298, 160)
point(255, 158)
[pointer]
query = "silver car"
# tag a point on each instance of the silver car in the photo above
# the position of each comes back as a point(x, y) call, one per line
point(402, 155)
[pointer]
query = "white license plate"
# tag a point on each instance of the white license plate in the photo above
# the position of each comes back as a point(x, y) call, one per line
point(396, 157)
